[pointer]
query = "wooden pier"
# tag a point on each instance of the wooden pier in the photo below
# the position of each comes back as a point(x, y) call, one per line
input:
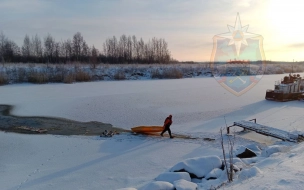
point(265, 130)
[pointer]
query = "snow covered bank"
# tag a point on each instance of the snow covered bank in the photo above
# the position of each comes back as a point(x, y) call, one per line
point(69, 73)
point(75, 162)
point(247, 174)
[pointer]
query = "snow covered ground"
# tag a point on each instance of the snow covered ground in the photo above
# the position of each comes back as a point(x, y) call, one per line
point(13, 73)
point(199, 107)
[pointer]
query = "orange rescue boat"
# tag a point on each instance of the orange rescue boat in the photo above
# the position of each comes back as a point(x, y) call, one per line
point(147, 129)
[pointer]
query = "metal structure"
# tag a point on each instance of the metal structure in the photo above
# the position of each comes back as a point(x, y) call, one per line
point(290, 88)
point(267, 131)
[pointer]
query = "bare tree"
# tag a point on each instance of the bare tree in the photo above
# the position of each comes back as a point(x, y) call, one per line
point(94, 57)
point(57, 52)
point(27, 47)
point(49, 46)
point(129, 49)
point(77, 45)
point(67, 50)
point(122, 47)
point(85, 51)
point(37, 47)
point(111, 49)
point(10, 51)
point(135, 52)
point(141, 49)
point(3, 40)
point(125, 49)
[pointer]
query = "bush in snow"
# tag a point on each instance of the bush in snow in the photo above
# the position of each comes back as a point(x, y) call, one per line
point(21, 75)
point(3, 79)
point(172, 73)
point(69, 79)
point(38, 77)
point(82, 76)
point(119, 75)
point(166, 73)
point(155, 74)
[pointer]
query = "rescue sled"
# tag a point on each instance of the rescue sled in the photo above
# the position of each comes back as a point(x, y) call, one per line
point(147, 129)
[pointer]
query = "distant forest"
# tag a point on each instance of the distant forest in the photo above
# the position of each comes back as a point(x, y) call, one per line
point(125, 49)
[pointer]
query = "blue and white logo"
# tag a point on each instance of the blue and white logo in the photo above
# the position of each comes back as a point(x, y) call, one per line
point(238, 59)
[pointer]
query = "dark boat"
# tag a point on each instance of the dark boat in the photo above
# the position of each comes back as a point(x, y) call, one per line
point(290, 88)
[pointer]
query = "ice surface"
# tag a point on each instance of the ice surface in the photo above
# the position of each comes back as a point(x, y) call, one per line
point(198, 106)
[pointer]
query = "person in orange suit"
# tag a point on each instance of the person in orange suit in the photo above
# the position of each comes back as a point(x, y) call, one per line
point(167, 125)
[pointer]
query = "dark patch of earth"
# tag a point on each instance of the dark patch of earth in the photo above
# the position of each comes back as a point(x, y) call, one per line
point(55, 126)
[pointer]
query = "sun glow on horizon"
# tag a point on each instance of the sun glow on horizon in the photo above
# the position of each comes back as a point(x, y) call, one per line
point(285, 30)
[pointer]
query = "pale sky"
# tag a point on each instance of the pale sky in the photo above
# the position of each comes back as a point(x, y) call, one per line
point(187, 26)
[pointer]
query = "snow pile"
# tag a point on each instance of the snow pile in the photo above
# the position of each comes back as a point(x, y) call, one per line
point(248, 173)
point(253, 147)
point(214, 183)
point(249, 151)
point(198, 167)
point(274, 149)
point(160, 185)
point(214, 174)
point(184, 185)
point(209, 172)
point(171, 177)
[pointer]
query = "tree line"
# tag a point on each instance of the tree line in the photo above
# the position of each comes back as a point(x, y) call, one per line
point(125, 49)
point(129, 49)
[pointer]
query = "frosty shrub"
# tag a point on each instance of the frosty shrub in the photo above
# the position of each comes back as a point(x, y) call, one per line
point(69, 78)
point(279, 71)
point(287, 69)
point(298, 69)
point(3, 79)
point(119, 75)
point(172, 73)
point(81, 76)
point(38, 77)
point(21, 72)
point(79, 72)
point(58, 73)
point(155, 74)
point(58, 77)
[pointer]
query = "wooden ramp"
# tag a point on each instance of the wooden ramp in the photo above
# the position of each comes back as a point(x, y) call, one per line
point(265, 130)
